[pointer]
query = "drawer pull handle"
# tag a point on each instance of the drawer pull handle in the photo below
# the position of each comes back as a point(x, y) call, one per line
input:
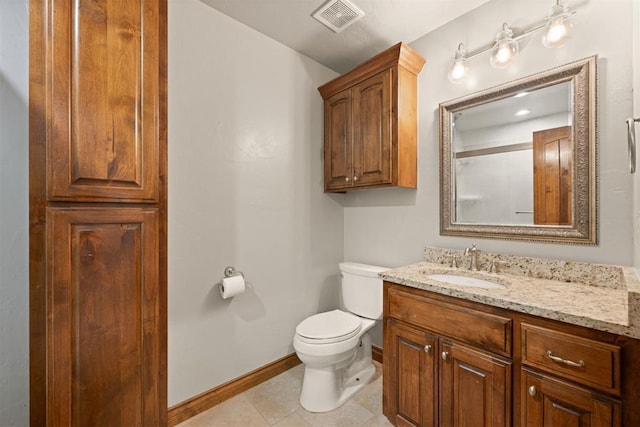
point(533, 391)
point(578, 364)
point(445, 355)
point(427, 348)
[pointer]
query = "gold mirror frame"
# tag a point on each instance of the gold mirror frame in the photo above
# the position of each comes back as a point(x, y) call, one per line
point(582, 75)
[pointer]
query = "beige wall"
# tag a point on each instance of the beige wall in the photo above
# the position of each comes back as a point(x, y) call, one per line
point(245, 189)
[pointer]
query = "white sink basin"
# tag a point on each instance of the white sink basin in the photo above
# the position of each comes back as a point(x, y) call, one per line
point(465, 281)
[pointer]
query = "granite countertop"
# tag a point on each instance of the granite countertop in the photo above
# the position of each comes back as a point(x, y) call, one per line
point(601, 297)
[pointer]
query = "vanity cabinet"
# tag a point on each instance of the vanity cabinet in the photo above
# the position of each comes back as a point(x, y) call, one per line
point(370, 123)
point(412, 353)
point(453, 362)
point(475, 387)
point(548, 401)
point(436, 372)
point(580, 382)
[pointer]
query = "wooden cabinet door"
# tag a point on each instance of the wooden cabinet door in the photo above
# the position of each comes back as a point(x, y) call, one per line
point(105, 363)
point(552, 176)
point(103, 70)
point(413, 394)
point(475, 388)
point(372, 131)
point(548, 402)
point(338, 138)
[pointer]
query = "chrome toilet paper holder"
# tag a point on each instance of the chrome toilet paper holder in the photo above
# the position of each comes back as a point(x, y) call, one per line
point(231, 271)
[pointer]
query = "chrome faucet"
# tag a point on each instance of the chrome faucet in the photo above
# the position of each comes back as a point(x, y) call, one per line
point(473, 252)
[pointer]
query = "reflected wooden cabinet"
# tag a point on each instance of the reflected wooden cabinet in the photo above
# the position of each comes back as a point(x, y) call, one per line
point(97, 184)
point(552, 176)
point(370, 123)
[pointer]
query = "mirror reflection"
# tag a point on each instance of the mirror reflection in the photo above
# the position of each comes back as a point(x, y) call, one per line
point(513, 157)
point(518, 160)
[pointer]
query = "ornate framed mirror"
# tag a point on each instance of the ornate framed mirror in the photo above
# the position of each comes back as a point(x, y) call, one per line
point(518, 161)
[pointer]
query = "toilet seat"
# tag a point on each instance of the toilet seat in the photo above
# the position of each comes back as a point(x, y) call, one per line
point(329, 327)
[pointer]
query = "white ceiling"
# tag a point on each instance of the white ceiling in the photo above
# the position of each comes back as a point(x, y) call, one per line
point(386, 22)
point(543, 102)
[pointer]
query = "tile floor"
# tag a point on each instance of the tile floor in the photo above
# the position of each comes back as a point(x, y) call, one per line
point(276, 403)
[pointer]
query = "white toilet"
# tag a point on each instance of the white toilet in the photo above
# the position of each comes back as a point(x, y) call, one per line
point(334, 346)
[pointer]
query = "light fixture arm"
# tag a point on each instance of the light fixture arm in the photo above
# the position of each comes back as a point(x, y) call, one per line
point(505, 47)
point(488, 47)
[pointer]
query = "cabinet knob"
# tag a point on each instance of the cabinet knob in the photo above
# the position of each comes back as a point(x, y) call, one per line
point(347, 179)
point(532, 391)
point(445, 355)
point(427, 348)
point(355, 178)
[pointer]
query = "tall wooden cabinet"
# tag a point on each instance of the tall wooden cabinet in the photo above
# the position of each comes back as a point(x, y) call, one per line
point(370, 123)
point(98, 163)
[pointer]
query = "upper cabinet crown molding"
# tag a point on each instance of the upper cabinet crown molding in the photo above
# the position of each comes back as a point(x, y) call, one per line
point(371, 123)
point(401, 55)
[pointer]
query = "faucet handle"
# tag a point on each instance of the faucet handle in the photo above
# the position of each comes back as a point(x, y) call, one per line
point(454, 261)
point(495, 263)
point(471, 250)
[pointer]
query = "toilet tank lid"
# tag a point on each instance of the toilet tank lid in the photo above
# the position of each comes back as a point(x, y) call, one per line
point(361, 269)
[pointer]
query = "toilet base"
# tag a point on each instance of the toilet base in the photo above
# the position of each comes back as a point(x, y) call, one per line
point(324, 389)
point(334, 396)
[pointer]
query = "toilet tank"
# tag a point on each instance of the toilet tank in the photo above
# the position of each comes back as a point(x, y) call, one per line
point(362, 289)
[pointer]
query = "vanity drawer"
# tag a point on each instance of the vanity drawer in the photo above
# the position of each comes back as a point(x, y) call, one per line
point(483, 330)
point(576, 358)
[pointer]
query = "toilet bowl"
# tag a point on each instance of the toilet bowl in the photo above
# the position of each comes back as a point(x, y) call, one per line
point(335, 346)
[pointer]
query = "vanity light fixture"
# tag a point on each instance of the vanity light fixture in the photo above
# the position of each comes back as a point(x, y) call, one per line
point(557, 30)
point(505, 49)
point(458, 67)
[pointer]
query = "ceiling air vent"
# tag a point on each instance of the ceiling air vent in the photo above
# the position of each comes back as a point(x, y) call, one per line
point(338, 14)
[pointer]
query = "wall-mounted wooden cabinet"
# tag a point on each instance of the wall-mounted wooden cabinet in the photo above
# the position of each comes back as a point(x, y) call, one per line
point(97, 184)
point(370, 123)
point(452, 362)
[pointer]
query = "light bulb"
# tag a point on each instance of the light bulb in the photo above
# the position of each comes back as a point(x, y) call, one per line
point(558, 28)
point(458, 67)
point(522, 112)
point(505, 49)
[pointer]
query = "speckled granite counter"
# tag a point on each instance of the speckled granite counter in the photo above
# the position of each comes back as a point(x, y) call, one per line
point(602, 297)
